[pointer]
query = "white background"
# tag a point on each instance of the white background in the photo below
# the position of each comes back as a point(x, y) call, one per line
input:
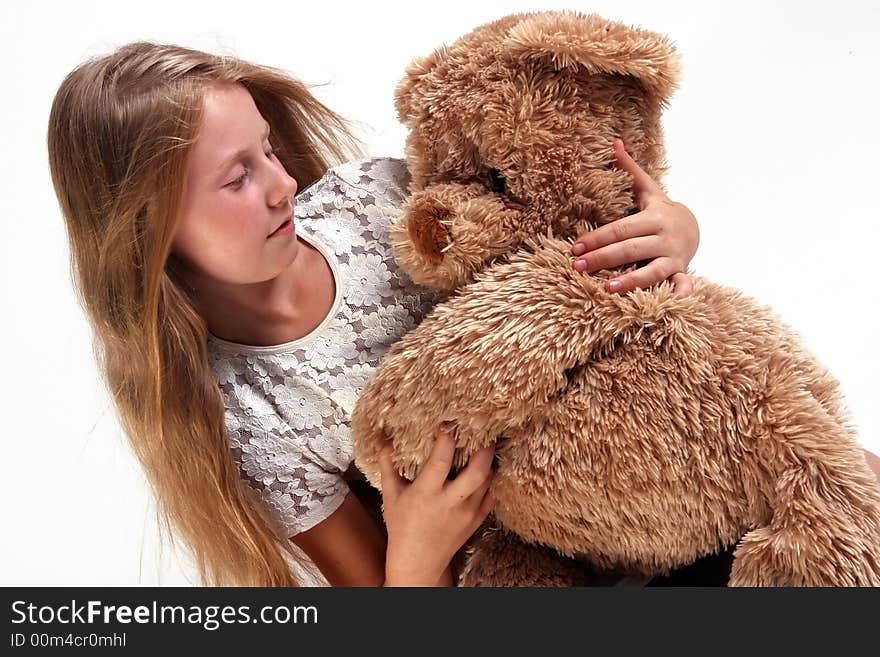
point(770, 140)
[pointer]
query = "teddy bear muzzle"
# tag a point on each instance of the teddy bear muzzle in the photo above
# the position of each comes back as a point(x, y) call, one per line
point(428, 227)
point(450, 231)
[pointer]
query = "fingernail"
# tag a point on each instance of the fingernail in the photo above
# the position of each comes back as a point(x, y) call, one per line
point(613, 286)
point(580, 265)
point(446, 426)
point(578, 249)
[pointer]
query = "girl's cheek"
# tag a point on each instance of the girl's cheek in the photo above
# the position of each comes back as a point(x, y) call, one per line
point(235, 217)
point(241, 219)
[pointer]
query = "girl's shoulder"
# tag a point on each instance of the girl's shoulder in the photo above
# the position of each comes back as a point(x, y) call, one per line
point(380, 174)
point(375, 185)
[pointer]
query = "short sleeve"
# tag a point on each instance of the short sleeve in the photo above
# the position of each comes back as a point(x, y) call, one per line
point(396, 173)
point(293, 480)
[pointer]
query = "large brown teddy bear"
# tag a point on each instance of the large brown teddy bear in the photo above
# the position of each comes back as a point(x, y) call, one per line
point(635, 433)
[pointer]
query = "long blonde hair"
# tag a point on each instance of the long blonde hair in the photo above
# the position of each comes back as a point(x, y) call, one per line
point(120, 132)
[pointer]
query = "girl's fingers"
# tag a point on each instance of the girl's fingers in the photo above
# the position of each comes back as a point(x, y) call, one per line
point(474, 475)
point(621, 253)
point(683, 284)
point(486, 506)
point(475, 501)
point(436, 469)
point(644, 186)
point(392, 483)
point(654, 272)
point(636, 225)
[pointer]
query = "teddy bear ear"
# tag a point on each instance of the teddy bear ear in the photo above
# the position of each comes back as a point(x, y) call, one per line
point(572, 39)
point(407, 92)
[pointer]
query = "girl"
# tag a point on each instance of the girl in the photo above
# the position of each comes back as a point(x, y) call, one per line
point(234, 340)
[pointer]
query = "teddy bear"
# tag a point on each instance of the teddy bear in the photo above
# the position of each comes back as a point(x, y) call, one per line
point(634, 433)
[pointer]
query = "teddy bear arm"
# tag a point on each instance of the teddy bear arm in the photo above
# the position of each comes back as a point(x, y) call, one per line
point(486, 360)
point(486, 377)
point(497, 371)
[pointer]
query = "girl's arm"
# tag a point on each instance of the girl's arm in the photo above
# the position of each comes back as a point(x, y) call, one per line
point(347, 547)
point(427, 520)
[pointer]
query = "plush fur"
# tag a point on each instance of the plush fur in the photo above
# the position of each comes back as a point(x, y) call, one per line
point(634, 433)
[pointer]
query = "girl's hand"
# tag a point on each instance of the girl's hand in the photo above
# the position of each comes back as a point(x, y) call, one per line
point(662, 229)
point(429, 519)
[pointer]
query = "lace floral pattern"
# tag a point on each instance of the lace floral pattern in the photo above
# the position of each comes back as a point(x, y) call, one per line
point(288, 406)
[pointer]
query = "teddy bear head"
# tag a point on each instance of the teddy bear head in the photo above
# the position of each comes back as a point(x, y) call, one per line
point(510, 136)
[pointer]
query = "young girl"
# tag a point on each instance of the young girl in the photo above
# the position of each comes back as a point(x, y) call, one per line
point(240, 293)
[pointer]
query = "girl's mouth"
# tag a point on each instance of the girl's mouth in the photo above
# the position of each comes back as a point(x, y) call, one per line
point(283, 229)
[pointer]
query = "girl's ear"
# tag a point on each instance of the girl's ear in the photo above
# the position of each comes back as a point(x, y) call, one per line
point(408, 100)
point(568, 39)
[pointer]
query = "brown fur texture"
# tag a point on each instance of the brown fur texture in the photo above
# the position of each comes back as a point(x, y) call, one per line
point(634, 433)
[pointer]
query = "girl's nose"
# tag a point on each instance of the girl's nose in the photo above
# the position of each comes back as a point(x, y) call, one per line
point(286, 189)
point(291, 185)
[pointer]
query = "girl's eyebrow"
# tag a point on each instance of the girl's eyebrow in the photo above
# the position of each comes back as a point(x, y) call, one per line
point(227, 162)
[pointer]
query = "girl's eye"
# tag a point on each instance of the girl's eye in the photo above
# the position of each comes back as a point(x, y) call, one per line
point(240, 180)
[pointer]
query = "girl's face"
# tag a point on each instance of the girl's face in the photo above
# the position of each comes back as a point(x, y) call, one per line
point(236, 193)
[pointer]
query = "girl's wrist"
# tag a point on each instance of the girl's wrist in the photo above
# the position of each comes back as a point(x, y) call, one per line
point(408, 576)
point(397, 581)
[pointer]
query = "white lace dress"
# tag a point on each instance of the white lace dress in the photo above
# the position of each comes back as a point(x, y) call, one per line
point(288, 406)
